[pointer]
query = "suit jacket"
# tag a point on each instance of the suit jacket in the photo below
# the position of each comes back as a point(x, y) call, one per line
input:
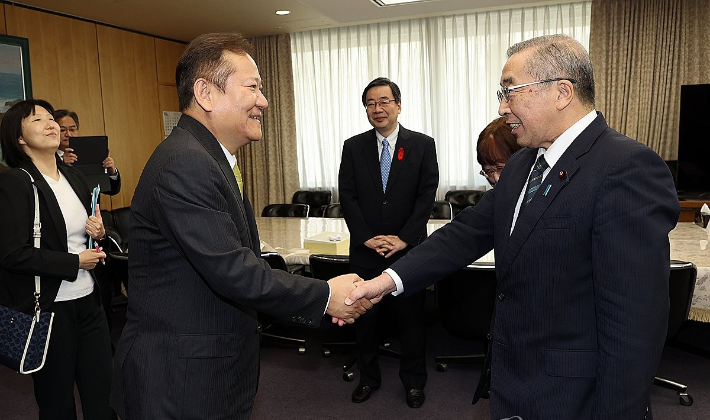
point(20, 261)
point(190, 347)
point(582, 295)
point(405, 207)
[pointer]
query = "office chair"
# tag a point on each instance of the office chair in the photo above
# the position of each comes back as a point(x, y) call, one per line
point(465, 300)
point(325, 267)
point(285, 210)
point(682, 286)
point(277, 262)
point(333, 210)
point(460, 199)
point(441, 210)
point(315, 199)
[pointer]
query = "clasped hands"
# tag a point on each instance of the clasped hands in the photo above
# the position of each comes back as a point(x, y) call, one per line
point(386, 245)
point(351, 297)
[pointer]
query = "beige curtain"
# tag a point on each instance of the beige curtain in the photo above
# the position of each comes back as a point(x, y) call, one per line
point(270, 167)
point(643, 51)
point(634, 46)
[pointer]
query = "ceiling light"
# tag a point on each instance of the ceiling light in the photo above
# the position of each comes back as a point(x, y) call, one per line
point(381, 3)
point(283, 12)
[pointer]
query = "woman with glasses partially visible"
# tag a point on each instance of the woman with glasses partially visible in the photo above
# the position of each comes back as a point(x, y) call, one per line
point(495, 145)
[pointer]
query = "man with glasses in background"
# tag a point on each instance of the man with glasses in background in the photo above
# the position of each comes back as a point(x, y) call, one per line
point(69, 127)
point(387, 184)
point(579, 222)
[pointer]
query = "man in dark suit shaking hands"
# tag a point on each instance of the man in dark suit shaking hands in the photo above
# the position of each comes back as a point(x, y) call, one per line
point(579, 223)
point(387, 183)
point(190, 347)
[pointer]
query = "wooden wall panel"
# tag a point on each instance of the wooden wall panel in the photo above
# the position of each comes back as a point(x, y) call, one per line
point(3, 26)
point(130, 92)
point(64, 63)
point(167, 55)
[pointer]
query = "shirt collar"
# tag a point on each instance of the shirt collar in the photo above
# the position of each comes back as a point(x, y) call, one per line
point(558, 147)
point(231, 159)
point(389, 138)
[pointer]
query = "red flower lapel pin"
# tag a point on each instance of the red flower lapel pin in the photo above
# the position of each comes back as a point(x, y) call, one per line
point(400, 153)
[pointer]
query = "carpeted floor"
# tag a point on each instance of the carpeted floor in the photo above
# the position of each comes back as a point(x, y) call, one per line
point(309, 386)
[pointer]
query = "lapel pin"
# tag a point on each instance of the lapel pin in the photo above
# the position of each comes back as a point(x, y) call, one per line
point(547, 189)
point(400, 153)
point(562, 174)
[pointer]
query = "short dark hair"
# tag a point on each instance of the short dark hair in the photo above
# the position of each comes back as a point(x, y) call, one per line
point(496, 143)
point(61, 113)
point(204, 57)
point(11, 129)
point(383, 81)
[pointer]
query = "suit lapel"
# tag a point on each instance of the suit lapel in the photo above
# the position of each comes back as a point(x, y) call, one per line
point(560, 175)
point(211, 144)
point(403, 145)
point(45, 191)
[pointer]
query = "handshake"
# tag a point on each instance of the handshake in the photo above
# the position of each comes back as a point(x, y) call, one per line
point(351, 297)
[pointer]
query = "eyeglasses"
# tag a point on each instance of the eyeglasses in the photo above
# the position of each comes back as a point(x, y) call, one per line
point(489, 173)
point(382, 102)
point(72, 130)
point(504, 92)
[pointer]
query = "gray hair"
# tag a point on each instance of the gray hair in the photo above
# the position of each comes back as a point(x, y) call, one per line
point(559, 56)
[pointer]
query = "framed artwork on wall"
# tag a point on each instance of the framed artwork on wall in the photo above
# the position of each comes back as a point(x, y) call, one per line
point(15, 80)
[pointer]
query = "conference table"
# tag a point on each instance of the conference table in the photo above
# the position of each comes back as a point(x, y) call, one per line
point(285, 235)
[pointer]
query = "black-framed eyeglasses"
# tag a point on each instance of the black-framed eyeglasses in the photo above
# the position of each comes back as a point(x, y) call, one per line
point(489, 173)
point(382, 102)
point(73, 129)
point(504, 92)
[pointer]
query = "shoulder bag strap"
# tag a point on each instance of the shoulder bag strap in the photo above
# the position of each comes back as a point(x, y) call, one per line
point(36, 234)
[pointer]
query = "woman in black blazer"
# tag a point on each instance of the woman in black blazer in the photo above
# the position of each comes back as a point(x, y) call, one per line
point(79, 348)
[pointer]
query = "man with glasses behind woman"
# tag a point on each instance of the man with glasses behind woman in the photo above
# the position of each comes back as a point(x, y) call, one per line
point(69, 127)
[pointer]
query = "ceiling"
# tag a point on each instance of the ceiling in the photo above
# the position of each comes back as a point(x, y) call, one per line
point(183, 20)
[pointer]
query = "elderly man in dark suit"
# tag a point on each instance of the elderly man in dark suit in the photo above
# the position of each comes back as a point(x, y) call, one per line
point(190, 347)
point(579, 223)
point(387, 183)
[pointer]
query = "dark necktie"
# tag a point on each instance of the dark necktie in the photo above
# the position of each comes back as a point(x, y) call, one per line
point(385, 163)
point(534, 180)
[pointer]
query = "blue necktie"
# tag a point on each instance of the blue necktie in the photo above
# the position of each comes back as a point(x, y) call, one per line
point(534, 180)
point(385, 163)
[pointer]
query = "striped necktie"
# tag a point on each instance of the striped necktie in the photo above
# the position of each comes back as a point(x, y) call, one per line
point(238, 175)
point(385, 163)
point(534, 180)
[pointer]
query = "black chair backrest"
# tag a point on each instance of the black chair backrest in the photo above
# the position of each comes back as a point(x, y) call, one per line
point(275, 260)
point(285, 210)
point(465, 300)
point(681, 288)
point(333, 210)
point(325, 267)
point(122, 218)
point(441, 210)
point(315, 199)
point(107, 217)
point(460, 199)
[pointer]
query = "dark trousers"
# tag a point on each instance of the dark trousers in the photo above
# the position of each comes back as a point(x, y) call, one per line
point(79, 351)
point(409, 315)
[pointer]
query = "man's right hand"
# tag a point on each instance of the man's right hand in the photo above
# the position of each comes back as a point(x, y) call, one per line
point(69, 156)
point(377, 243)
